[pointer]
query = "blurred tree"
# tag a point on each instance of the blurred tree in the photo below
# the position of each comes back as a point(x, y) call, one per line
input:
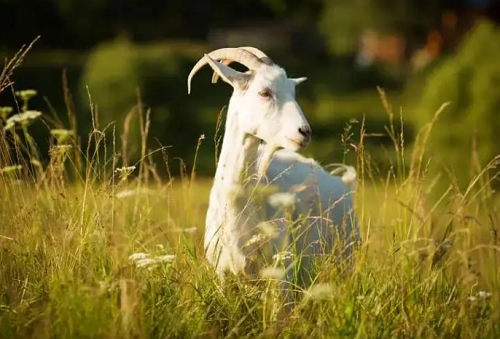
point(470, 80)
point(343, 21)
point(118, 69)
point(79, 24)
point(111, 78)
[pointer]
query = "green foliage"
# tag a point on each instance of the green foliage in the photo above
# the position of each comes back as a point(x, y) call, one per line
point(25, 97)
point(338, 17)
point(342, 21)
point(111, 76)
point(124, 79)
point(469, 126)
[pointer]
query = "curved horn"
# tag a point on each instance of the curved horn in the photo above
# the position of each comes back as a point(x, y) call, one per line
point(257, 52)
point(241, 56)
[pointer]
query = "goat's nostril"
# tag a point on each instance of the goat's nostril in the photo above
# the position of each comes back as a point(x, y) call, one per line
point(305, 131)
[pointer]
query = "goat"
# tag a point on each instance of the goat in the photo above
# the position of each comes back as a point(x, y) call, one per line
point(265, 127)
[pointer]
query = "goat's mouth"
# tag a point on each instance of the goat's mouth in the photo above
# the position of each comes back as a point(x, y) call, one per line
point(299, 144)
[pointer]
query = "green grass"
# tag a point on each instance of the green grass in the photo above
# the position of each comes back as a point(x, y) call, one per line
point(65, 272)
point(426, 268)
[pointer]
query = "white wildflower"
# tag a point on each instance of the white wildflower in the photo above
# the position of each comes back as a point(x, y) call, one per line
point(152, 267)
point(28, 115)
point(128, 169)
point(283, 256)
point(61, 134)
point(138, 256)
point(320, 291)
point(124, 172)
point(272, 272)
point(23, 119)
point(146, 262)
point(125, 194)
point(160, 247)
point(360, 297)
point(26, 94)
point(190, 230)
point(281, 199)
point(472, 298)
point(165, 258)
point(483, 294)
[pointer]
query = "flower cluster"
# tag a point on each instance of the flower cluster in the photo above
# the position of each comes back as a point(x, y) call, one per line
point(144, 260)
point(23, 119)
point(480, 295)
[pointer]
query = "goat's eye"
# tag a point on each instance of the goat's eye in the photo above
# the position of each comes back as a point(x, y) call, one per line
point(266, 93)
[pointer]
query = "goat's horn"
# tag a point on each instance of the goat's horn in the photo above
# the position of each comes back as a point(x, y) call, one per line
point(255, 51)
point(259, 54)
point(239, 55)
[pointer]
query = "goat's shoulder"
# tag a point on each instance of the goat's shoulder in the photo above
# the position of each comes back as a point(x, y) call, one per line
point(289, 169)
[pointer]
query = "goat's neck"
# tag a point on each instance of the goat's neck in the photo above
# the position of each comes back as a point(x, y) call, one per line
point(238, 158)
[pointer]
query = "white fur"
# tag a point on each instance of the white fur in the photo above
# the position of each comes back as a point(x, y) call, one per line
point(244, 227)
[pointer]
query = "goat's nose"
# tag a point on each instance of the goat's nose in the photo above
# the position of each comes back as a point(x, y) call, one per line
point(305, 131)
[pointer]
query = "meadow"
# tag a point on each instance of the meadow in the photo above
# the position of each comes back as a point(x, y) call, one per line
point(92, 245)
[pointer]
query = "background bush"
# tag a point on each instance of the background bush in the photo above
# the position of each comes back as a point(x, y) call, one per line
point(111, 78)
point(119, 71)
point(470, 80)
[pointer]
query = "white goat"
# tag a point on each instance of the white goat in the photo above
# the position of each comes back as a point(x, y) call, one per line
point(264, 129)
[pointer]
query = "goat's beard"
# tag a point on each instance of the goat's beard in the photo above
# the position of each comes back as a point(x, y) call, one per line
point(266, 155)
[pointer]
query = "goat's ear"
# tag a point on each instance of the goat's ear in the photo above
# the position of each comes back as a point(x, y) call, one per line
point(236, 79)
point(298, 81)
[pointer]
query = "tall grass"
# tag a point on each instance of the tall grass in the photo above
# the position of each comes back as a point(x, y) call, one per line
point(426, 267)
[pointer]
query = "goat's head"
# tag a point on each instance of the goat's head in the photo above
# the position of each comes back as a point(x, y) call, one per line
point(264, 96)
